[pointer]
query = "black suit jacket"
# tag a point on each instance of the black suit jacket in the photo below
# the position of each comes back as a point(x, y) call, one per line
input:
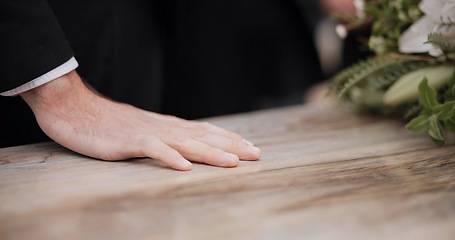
point(31, 43)
point(190, 58)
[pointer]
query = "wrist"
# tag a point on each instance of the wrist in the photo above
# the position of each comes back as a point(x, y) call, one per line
point(53, 92)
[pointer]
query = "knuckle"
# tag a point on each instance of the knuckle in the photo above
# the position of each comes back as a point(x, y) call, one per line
point(235, 144)
point(198, 134)
point(179, 139)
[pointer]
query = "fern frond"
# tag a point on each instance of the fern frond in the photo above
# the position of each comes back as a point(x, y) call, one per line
point(384, 78)
point(446, 44)
point(365, 92)
point(369, 69)
point(340, 79)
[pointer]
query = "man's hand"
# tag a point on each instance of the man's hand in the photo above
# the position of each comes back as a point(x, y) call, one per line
point(85, 122)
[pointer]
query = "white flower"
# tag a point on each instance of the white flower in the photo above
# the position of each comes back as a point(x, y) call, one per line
point(439, 17)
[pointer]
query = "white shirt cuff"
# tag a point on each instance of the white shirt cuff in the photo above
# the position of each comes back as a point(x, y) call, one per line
point(57, 72)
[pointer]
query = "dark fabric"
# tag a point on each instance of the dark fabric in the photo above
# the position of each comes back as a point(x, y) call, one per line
point(31, 42)
point(237, 55)
point(189, 58)
point(118, 46)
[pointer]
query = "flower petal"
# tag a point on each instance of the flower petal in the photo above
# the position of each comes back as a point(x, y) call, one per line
point(435, 52)
point(432, 8)
point(448, 13)
point(414, 38)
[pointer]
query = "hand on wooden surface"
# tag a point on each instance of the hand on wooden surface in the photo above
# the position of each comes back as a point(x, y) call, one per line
point(87, 123)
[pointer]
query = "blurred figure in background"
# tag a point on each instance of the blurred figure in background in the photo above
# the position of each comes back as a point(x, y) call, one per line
point(351, 47)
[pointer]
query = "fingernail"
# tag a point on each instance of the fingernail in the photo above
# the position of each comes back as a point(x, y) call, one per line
point(254, 149)
point(231, 159)
point(247, 142)
point(186, 165)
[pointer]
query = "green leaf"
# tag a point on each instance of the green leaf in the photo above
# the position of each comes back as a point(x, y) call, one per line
point(450, 92)
point(452, 84)
point(406, 88)
point(427, 95)
point(435, 131)
point(418, 124)
point(426, 111)
point(449, 124)
point(444, 111)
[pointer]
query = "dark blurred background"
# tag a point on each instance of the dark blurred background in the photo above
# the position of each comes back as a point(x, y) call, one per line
point(191, 58)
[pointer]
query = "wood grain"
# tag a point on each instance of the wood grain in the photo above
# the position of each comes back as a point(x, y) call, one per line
point(325, 174)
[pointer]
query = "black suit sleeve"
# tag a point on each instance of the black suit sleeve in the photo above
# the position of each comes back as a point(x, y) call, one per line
point(31, 42)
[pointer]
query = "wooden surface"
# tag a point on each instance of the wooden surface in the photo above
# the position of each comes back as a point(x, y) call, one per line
point(325, 174)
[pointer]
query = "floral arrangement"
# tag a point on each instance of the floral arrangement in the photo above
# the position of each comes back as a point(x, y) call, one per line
point(412, 72)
